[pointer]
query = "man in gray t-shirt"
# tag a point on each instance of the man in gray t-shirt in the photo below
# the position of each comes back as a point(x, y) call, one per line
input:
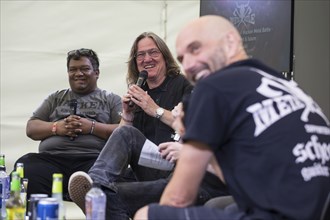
point(72, 125)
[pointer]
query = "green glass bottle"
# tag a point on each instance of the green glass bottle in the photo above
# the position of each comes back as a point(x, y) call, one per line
point(15, 206)
point(24, 181)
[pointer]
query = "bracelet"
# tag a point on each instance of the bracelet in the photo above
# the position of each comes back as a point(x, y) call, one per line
point(93, 127)
point(54, 128)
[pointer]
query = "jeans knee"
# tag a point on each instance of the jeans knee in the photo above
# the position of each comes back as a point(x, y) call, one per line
point(127, 130)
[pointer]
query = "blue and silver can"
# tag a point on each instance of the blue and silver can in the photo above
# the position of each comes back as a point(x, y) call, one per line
point(47, 209)
point(33, 204)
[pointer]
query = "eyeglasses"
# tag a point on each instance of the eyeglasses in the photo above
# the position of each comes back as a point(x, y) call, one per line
point(154, 53)
point(83, 69)
point(82, 51)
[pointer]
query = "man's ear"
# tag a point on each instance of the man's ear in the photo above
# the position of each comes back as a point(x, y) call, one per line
point(231, 44)
point(97, 73)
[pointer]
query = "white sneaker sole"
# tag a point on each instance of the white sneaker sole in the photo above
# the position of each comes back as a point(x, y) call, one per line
point(79, 184)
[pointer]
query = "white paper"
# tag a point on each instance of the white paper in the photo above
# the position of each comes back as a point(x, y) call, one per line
point(151, 157)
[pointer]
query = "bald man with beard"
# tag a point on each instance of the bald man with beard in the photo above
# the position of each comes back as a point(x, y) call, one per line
point(271, 141)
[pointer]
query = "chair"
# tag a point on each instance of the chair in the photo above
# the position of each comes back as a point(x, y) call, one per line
point(325, 215)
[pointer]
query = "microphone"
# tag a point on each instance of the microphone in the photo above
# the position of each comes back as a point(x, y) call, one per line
point(73, 110)
point(73, 106)
point(143, 75)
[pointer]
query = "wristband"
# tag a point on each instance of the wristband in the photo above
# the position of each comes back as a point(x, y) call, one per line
point(54, 128)
point(93, 127)
point(125, 119)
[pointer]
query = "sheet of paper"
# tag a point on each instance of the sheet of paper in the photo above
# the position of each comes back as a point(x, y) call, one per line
point(151, 157)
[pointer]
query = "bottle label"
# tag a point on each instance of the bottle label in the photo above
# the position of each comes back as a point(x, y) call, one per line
point(4, 188)
point(95, 208)
point(16, 213)
point(23, 197)
point(7, 188)
point(1, 196)
point(57, 187)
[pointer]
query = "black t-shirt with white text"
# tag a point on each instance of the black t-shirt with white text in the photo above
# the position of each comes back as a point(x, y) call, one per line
point(271, 140)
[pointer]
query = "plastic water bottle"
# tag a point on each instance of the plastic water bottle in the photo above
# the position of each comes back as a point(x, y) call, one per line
point(4, 187)
point(95, 204)
point(7, 188)
point(4, 191)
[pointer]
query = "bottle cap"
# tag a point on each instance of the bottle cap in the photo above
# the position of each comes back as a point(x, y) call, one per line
point(57, 175)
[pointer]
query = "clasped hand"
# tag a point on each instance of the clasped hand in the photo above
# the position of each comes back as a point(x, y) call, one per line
point(73, 125)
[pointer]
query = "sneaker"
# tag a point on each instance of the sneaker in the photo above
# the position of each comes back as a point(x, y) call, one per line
point(79, 184)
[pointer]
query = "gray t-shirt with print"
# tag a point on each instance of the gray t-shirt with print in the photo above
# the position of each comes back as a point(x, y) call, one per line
point(100, 105)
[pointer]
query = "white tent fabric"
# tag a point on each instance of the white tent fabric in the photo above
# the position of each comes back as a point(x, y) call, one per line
point(36, 35)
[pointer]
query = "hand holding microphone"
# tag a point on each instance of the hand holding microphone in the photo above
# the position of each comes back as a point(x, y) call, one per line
point(73, 107)
point(73, 110)
point(143, 75)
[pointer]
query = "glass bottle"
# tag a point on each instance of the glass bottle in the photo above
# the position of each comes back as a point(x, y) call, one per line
point(57, 192)
point(24, 181)
point(95, 203)
point(15, 206)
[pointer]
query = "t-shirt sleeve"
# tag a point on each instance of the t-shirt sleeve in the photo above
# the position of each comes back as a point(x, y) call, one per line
point(206, 116)
point(45, 109)
point(116, 108)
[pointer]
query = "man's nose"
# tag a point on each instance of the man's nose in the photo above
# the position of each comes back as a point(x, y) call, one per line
point(79, 71)
point(147, 57)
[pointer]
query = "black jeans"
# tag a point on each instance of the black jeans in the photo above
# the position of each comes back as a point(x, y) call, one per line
point(39, 169)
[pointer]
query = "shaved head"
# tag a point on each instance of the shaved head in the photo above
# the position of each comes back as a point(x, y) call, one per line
point(210, 26)
point(208, 44)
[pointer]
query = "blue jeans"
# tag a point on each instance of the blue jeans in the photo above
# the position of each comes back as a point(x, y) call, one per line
point(123, 148)
point(124, 198)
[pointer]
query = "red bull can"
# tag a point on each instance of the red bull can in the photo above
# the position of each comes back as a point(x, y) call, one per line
point(47, 209)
